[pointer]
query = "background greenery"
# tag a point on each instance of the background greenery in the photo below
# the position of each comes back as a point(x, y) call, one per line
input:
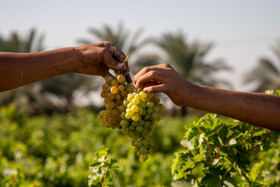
point(57, 150)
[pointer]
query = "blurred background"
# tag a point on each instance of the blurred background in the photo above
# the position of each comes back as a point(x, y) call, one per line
point(49, 129)
point(230, 45)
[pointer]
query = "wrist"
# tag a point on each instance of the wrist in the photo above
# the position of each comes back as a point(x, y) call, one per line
point(75, 59)
point(189, 93)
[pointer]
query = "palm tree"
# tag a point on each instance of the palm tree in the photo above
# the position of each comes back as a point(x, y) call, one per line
point(266, 75)
point(26, 45)
point(189, 60)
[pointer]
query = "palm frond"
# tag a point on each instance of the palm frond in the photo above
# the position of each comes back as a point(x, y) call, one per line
point(27, 45)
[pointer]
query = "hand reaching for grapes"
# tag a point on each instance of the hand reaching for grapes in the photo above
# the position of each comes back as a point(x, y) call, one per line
point(255, 108)
point(162, 78)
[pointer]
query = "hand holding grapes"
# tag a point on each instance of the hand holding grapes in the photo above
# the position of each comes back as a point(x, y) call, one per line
point(255, 108)
point(98, 59)
point(162, 78)
point(18, 69)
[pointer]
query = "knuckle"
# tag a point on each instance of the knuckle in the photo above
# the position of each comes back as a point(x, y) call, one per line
point(152, 88)
point(145, 69)
point(103, 51)
point(155, 74)
point(107, 43)
point(166, 66)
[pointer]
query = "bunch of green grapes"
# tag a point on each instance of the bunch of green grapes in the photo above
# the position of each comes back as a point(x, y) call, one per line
point(114, 91)
point(139, 112)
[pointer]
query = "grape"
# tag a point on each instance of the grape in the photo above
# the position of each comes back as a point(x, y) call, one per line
point(129, 112)
point(114, 83)
point(127, 116)
point(114, 90)
point(135, 108)
point(139, 128)
point(122, 108)
point(110, 105)
point(124, 94)
point(135, 117)
point(149, 110)
point(124, 123)
point(135, 101)
point(130, 98)
point(121, 88)
point(123, 115)
point(120, 78)
point(103, 94)
point(118, 97)
point(143, 95)
point(110, 96)
point(150, 104)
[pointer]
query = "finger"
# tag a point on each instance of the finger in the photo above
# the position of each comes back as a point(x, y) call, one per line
point(140, 73)
point(112, 63)
point(156, 88)
point(145, 70)
point(150, 83)
point(116, 53)
point(127, 76)
point(147, 77)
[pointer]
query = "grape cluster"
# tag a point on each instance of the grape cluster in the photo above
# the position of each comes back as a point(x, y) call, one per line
point(139, 112)
point(134, 113)
point(114, 91)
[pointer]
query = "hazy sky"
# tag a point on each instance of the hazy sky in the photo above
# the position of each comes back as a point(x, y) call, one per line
point(243, 31)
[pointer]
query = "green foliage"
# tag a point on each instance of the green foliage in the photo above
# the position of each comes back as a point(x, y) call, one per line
point(57, 150)
point(219, 153)
point(102, 169)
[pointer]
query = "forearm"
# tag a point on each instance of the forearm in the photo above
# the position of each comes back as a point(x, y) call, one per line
point(257, 109)
point(17, 69)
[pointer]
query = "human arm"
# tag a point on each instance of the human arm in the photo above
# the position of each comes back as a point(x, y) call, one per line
point(254, 108)
point(17, 69)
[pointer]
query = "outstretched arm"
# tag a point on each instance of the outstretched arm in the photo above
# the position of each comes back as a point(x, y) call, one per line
point(258, 109)
point(17, 69)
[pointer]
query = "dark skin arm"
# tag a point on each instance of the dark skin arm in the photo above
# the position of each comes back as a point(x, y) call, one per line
point(18, 69)
point(254, 108)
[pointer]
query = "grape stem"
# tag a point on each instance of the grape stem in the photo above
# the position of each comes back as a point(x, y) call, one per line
point(125, 59)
